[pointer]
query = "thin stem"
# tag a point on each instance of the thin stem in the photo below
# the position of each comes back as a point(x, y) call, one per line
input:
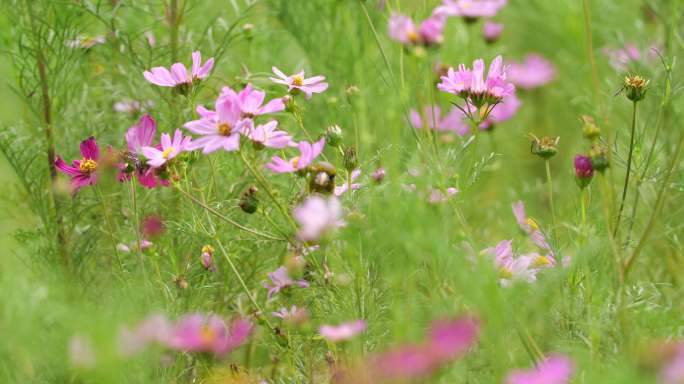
point(583, 203)
point(549, 183)
point(134, 203)
point(228, 219)
point(108, 222)
point(174, 23)
point(629, 170)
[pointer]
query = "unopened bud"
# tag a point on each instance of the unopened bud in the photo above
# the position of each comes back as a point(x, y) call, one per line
point(589, 128)
point(248, 200)
point(289, 102)
point(180, 282)
point(635, 87)
point(584, 171)
point(350, 159)
point(546, 147)
point(322, 178)
point(207, 258)
point(599, 157)
point(333, 135)
point(248, 30)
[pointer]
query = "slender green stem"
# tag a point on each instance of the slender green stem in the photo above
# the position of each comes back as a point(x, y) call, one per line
point(583, 203)
point(108, 223)
point(549, 183)
point(228, 219)
point(629, 170)
point(136, 217)
point(174, 21)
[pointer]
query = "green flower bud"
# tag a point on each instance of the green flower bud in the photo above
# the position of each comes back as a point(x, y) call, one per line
point(546, 147)
point(350, 159)
point(333, 135)
point(248, 200)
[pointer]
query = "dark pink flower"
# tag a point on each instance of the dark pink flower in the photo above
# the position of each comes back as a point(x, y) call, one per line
point(297, 83)
point(139, 136)
point(152, 226)
point(430, 32)
point(535, 71)
point(584, 171)
point(555, 369)
point(178, 75)
point(379, 174)
point(82, 172)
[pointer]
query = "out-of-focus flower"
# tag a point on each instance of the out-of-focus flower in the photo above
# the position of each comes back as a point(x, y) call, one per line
point(556, 369)
point(430, 32)
point(492, 31)
point(344, 331)
point(82, 172)
point(202, 333)
point(307, 153)
point(280, 279)
point(432, 117)
point(297, 83)
point(144, 244)
point(132, 106)
point(622, 58)
point(673, 370)
point(584, 171)
point(81, 352)
point(268, 135)
point(149, 37)
point(220, 129)
point(342, 189)
point(316, 216)
point(535, 71)
point(178, 75)
point(379, 174)
point(250, 101)
point(505, 110)
point(511, 267)
point(531, 228)
point(155, 328)
point(436, 196)
point(86, 42)
point(470, 9)
point(157, 157)
point(294, 316)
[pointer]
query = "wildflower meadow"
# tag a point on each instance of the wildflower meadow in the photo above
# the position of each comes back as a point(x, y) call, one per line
point(341, 191)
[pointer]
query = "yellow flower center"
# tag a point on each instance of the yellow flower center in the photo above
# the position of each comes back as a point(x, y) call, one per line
point(541, 261)
point(87, 165)
point(224, 129)
point(297, 80)
point(295, 161)
point(412, 36)
point(207, 335)
point(532, 223)
point(505, 273)
point(208, 249)
point(167, 153)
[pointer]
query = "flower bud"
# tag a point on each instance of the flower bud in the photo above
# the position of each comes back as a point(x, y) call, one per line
point(207, 258)
point(546, 147)
point(248, 30)
point(589, 128)
point(635, 87)
point(322, 178)
point(248, 200)
point(333, 135)
point(350, 159)
point(584, 171)
point(599, 157)
point(180, 282)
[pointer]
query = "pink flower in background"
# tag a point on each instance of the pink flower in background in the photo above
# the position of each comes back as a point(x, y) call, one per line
point(267, 135)
point(452, 122)
point(531, 228)
point(155, 328)
point(250, 101)
point(492, 31)
point(436, 196)
point(342, 189)
point(673, 370)
point(535, 71)
point(157, 157)
point(307, 153)
point(431, 30)
point(470, 9)
point(379, 174)
point(81, 353)
point(82, 172)
point(621, 58)
point(220, 129)
point(178, 75)
point(344, 331)
point(505, 110)
point(141, 135)
point(296, 83)
point(280, 279)
point(512, 268)
point(152, 226)
point(316, 216)
point(294, 315)
point(200, 333)
point(402, 29)
point(207, 258)
point(555, 369)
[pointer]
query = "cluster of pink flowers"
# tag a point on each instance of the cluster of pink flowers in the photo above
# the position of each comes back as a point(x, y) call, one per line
point(196, 333)
point(429, 32)
point(345, 331)
point(625, 57)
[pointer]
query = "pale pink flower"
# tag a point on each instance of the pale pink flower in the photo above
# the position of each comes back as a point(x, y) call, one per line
point(169, 149)
point(344, 331)
point(673, 370)
point(296, 83)
point(512, 268)
point(492, 31)
point(535, 71)
point(431, 30)
point(307, 153)
point(531, 228)
point(316, 216)
point(220, 129)
point(342, 189)
point(451, 122)
point(81, 352)
point(268, 135)
point(293, 315)
point(436, 196)
point(556, 369)
point(178, 74)
point(379, 174)
point(621, 58)
point(200, 333)
point(470, 9)
point(155, 328)
point(280, 279)
point(250, 101)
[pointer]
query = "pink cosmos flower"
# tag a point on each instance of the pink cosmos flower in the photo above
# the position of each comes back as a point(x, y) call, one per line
point(436, 196)
point(157, 157)
point(178, 75)
point(505, 110)
point(307, 153)
point(621, 58)
point(316, 216)
point(82, 172)
point(200, 333)
point(379, 174)
point(673, 370)
point(512, 268)
point(555, 369)
point(451, 122)
point(294, 315)
point(431, 31)
point(138, 136)
point(296, 83)
point(280, 279)
point(155, 328)
point(470, 9)
point(250, 101)
point(531, 228)
point(220, 129)
point(535, 71)
point(344, 331)
point(141, 135)
point(267, 135)
point(492, 31)
point(342, 189)
point(144, 244)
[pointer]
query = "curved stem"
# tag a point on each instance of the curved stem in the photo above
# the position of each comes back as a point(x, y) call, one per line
point(629, 170)
point(549, 182)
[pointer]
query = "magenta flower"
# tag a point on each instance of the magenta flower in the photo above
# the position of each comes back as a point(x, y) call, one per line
point(297, 83)
point(342, 189)
point(220, 129)
point(451, 122)
point(139, 136)
point(178, 75)
point(250, 101)
point(157, 157)
point(555, 369)
point(280, 279)
point(82, 172)
point(307, 153)
point(431, 30)
point(344, 331)
point(267, 135)
point(584, 170)
point(470, 9)
point(200, 333)
point(535, 71)
point(316, 216)
point(492, 31)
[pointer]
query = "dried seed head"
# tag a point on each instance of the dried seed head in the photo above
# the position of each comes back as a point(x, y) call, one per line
point(635, 87)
